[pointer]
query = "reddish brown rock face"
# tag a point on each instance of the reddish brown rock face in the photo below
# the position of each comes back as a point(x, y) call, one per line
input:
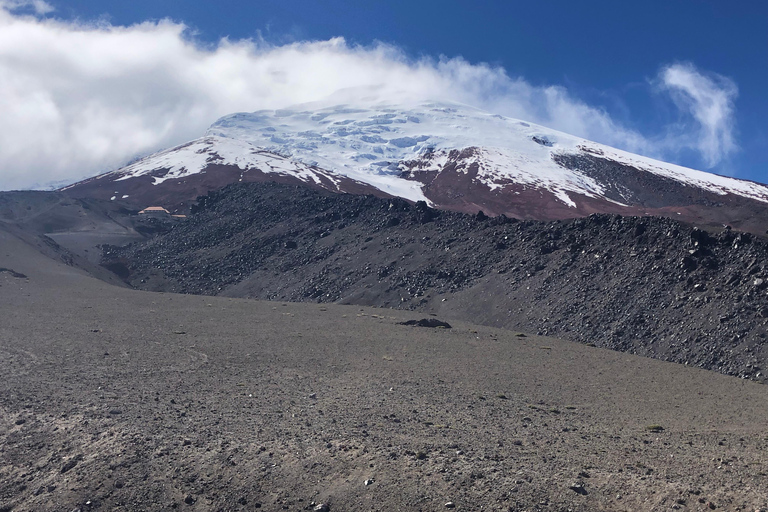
point(178, 194)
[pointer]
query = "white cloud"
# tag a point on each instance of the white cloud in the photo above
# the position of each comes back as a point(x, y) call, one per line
point(77, 99)
point(709, 100)
point(40, 7)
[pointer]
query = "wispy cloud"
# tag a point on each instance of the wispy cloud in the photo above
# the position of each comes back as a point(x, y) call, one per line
point(39, 7)
point(707, 99)
point(78, 98)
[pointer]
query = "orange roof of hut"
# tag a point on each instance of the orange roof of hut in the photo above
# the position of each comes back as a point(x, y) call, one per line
point(154, 209)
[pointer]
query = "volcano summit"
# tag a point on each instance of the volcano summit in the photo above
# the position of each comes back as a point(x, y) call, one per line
point(452, 156)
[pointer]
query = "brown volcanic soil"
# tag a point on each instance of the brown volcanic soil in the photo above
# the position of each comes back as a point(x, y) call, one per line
point(113, 399)
point(644, 285)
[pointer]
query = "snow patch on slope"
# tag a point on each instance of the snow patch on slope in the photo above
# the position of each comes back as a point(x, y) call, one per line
point(193, 157)
point(497, 167)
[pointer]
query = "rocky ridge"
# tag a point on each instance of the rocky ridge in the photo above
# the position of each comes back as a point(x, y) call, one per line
point(644, 285)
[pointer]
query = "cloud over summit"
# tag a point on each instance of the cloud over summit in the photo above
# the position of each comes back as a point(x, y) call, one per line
point(77, 98)
point(708, 99)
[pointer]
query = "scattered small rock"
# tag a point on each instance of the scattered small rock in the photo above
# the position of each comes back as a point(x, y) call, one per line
point(71, 464)
point(189, 500)
point(321, 507)
point(450, 504)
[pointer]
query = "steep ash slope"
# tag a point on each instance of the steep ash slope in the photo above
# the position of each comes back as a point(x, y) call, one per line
point(644, 285)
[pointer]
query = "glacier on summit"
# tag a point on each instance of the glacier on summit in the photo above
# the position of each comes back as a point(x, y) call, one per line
point(371, 143)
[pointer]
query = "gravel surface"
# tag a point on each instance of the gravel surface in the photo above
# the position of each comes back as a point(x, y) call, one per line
point(116, 399)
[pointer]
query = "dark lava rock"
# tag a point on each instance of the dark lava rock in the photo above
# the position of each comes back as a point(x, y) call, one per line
point(578, 488)
point(70, 464)
point(427, 322)
point(13, 273)
point(543, 140)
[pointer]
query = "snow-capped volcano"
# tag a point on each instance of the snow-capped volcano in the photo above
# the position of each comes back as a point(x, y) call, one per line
point(373, 144)
point(450, 155)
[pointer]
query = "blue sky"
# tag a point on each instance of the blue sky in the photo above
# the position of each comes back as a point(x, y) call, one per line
point(604, 57)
